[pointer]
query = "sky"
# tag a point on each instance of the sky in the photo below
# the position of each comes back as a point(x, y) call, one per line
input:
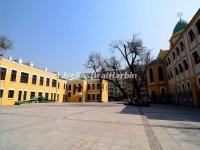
point(60, 34)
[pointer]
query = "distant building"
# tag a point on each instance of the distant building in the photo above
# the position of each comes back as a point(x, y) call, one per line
point(175, 75)
point(83, 90)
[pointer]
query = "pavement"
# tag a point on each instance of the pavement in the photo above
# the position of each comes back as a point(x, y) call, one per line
point(99, 126)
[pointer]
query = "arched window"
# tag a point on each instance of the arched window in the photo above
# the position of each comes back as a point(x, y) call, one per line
point(69, 88)
point(171, 74)
point(183, 87)
point(185, 64)
point(160, 74)
point(176, 71)
point(173, 54)
point(177, 51)
point(79, 87)
point(163, 91)
point(178, 87)
point(151, 75)
point(180, 68)
point(74, 88)
point(189, 85)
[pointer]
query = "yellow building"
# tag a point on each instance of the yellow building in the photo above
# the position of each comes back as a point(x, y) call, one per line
point(181, 64)
point(157, 78)
point(83, 90)
point(22, 81)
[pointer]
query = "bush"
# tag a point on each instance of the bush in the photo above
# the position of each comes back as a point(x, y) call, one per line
point(17, 103)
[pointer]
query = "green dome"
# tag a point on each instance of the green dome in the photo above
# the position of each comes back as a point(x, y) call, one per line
point(180, 26)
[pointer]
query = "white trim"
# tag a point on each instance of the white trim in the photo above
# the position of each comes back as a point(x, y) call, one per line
point(11, 89)
point(198, 77)
point(188, 81)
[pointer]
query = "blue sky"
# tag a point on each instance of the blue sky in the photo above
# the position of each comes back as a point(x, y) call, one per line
point(60, 34)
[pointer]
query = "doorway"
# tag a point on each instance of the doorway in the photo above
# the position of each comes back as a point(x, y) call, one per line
point(20, 96)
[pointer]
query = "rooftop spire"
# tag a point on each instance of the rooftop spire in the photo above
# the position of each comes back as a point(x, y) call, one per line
point(179, 14)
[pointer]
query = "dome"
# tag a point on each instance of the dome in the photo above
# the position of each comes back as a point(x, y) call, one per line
point(180, 26)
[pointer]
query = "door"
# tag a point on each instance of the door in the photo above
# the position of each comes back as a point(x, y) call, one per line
point(20, 96)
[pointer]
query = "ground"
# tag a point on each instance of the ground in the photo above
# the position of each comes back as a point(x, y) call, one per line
point(100, 126)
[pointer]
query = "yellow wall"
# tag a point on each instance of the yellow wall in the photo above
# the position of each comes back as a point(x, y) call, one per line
point(17, 86)
point(83, 95)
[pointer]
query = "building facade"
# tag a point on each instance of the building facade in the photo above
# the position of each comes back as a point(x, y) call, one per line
point(83, 90)
point(180, 66)
point(21, 81)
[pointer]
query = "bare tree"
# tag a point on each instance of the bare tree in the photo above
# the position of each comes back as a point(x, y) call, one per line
point(135, 57)
point(5, 44)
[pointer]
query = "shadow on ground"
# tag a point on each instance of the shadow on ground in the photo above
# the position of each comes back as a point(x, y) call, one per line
point(165, 112)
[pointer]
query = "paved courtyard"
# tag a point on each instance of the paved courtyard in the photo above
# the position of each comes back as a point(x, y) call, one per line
point(95, 126)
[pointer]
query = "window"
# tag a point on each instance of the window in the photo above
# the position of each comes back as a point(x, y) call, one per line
point(32, 95)
point(88, 86)
point(58, 85)
point(1, 93)
point(19, 95)
point(69, 87)
point(88, 97)
point(25, 93)
point(57, 97)
point(173, 54)
point(189, 84)
point(98, 86)
point(46, 95)
point(41, 80)
point(79, 87)
point(98, 97)
point(54, 82)
point(182, 46)
point(13, 75)
point(64, 97)
point(64, 86)
point(24, 77)
point(34, 79)
point(40, 94)
point(176, 71)
point(169, 60)
point(198, 26)
point(171, 74)
point(11, 94)
point(54, 96)
point(180, 68)
point(93, 86)
point(196, 57)
point(69, 94)
point(151, 75)
point(185, 64)
point(3, 73)
point(93, 96)
point(51, 96)
point(74, 89)
point(191, 35)
point(47, 82)
point(177, 51)
point(160, 74)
